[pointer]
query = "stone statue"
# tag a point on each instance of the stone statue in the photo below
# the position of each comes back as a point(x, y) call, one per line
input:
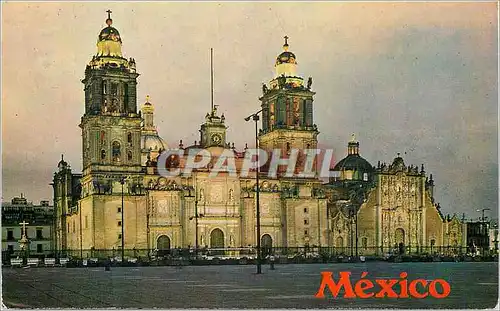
point(202, 195)
point(309, 83)
point(264, 89)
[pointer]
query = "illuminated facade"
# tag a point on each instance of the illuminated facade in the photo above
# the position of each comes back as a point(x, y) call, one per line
point(120, 152)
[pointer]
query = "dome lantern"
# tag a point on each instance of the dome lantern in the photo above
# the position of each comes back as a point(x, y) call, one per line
point(286, 64)
point(353, 146)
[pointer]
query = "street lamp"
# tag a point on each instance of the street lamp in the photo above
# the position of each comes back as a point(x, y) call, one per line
point(122, 181)
point(81, 235)
point(196, 216)
point(255, 117)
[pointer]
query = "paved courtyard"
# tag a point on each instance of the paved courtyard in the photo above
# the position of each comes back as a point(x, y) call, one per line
point(473, 285)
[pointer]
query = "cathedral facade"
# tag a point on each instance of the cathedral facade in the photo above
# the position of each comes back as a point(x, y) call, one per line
point(120, 197)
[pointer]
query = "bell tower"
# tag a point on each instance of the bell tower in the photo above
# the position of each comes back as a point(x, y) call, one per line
point(111, 124)
point(213, 131)
point(287, 108)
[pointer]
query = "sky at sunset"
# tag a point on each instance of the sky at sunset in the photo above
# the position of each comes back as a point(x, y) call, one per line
point(415, 78)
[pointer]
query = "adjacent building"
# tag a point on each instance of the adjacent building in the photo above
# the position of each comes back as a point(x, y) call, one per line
point(38, 221)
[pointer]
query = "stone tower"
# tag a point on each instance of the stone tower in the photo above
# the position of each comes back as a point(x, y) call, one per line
point(112, 180)
point(111, 125)
point(287, 108)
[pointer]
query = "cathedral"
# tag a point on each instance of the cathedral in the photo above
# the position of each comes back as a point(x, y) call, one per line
point(120, 198)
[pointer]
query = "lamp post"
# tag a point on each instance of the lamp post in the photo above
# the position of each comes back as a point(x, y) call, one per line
point(196, 216)
point(351, 216)
point(122, 181)
point(356, 224)
point(81, 235)
point(255, 117)
point(196, 226)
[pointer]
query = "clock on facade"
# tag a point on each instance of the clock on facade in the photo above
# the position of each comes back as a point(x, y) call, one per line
point(216, 139)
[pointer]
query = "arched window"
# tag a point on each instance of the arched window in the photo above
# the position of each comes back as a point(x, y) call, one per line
point(129, 155)
point(125, 92)
point(116, 151)
point(103, 154)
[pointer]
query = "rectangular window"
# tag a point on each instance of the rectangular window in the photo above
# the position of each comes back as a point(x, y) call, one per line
point(10, 235)
point(10, 248)
point(306, 222)
point(119, 210)
point(125, 100)
point(119, 224)
point(39, 234)
point(305, 210)
point(68, 228)
point(86, 222)
point(306, 232)
point(39, 248)
point(114, 89)
point(119, 236)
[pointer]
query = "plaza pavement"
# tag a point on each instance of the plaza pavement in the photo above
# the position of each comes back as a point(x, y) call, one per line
point(473, 285)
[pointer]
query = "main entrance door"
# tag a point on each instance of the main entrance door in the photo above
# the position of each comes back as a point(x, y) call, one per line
point(399, 236)
point(163, 245)
point(266, 243)
point(217, 241)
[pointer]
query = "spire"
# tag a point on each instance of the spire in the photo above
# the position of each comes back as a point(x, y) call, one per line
point(211, 79)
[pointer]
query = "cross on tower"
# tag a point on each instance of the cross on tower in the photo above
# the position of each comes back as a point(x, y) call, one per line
point(286, 40)
point(109, 13)
point(24, 223)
